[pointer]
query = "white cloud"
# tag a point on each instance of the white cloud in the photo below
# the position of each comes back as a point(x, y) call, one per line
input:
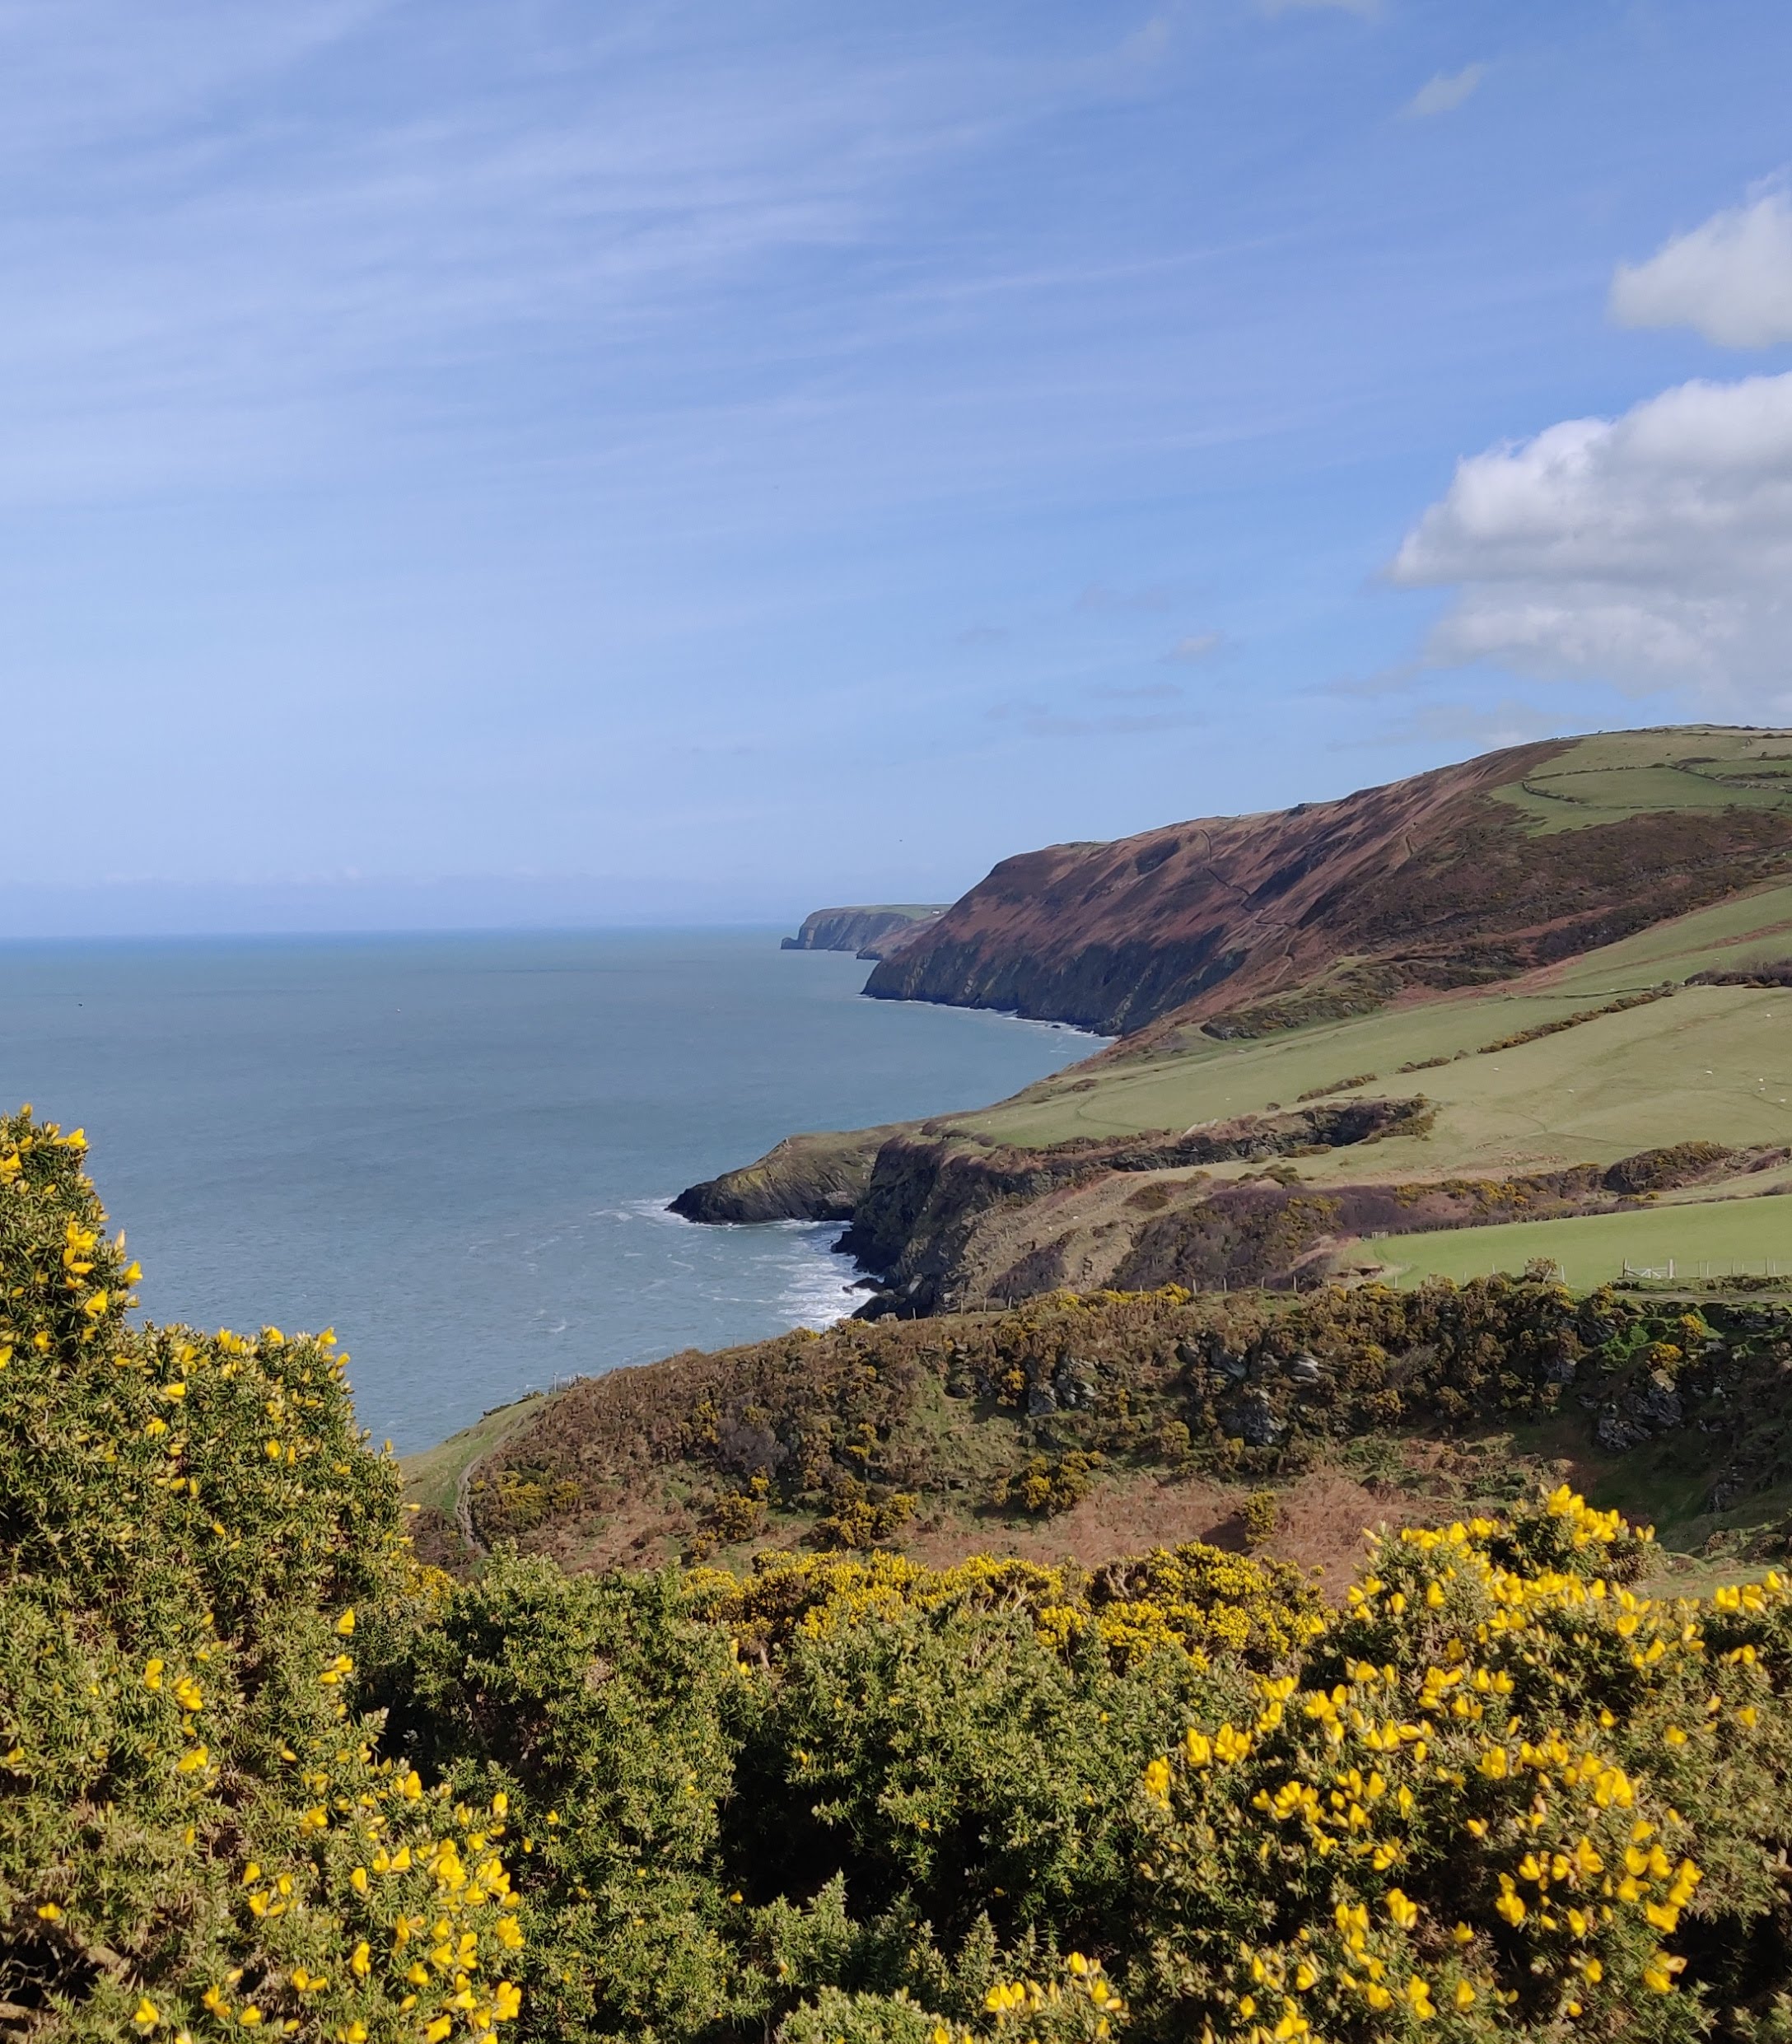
point(1444, 93)
point(1730, 278)
point(1651, 551)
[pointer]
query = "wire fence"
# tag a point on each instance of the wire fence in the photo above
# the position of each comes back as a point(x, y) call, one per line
point(1695, 1271)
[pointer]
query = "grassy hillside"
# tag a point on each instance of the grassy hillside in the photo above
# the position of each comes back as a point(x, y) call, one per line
point(1709, 1063)
point(1511, 1090)
point(1706, 1241)
point(1462, 877)
point(1533, 970)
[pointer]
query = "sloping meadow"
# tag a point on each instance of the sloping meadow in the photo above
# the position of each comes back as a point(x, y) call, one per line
point(264, 1774)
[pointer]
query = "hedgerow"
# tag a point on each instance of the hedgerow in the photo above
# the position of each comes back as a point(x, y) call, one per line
point(264, 1774)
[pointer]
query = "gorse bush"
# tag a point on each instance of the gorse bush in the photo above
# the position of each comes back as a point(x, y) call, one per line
point(1491, 1794)
point(264, 1775)
point(198, 1834)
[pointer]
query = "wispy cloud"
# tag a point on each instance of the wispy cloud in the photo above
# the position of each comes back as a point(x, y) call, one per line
point(1444, 93)
point(1396, 678)
point(1476, 726)
point(248, 245)
point(1190, 651)
point(1040, 720)
point(1149, 43)
point(1138, 692)
point(1101, 596)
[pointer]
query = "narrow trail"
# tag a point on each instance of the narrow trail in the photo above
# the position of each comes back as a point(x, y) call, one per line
point(475, 1462)
point(463, 1508)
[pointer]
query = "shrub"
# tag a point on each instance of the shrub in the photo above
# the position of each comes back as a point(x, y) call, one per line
point(1262, 1514)
point(1514, 1795)
point(1344, 1086)
point(863, 1518)
point(198, 1833)
point(1045, 1488)
point(741, 1514)
point(603, 1715)
point(1172, 1442)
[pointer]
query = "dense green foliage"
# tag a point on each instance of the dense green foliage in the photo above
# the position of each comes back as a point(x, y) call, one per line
point(264, 1774)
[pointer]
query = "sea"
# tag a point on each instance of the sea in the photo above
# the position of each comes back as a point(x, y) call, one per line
point(457, 1151)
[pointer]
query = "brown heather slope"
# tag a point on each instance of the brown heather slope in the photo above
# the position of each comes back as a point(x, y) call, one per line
point(1250, 924)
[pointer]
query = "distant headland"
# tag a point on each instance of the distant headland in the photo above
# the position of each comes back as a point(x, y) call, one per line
point(872, 931)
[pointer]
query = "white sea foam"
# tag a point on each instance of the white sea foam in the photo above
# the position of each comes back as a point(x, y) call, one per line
point(818, 1288)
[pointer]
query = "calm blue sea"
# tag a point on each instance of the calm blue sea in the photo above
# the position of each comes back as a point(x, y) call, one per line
point(456, 1151)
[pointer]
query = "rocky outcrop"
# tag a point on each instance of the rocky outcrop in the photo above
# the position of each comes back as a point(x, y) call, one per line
point(875, 932)
point(923, 1223)
point(1247, 924)
point(805, 1178)
point(1646, 1409)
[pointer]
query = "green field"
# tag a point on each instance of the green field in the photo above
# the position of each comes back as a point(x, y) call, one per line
point(1705, 1238)
point(1709, 1063)
point(1640, 774)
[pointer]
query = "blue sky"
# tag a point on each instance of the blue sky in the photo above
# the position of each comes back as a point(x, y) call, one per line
point(553, 462)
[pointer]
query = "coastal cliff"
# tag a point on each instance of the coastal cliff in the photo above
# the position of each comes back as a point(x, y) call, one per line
point(1247, 925)
point(869, 932)
point(1581, 946)
point(951, 1224)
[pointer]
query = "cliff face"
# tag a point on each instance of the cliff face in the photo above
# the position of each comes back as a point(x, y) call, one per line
point(950, 1224)
point(1253, 923)
point(869, 932)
